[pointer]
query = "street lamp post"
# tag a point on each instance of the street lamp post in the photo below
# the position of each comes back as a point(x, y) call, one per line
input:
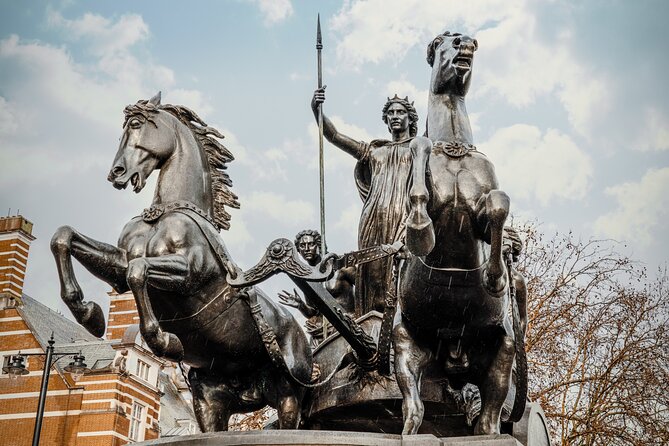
point(16, 368)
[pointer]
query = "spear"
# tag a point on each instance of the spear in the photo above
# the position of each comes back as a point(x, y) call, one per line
point(319, 47)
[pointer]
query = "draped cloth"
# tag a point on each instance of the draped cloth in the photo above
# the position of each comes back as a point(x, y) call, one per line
point(383, 178)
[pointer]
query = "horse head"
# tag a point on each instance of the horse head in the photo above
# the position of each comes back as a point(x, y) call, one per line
point(451, 57)
point(144, 144)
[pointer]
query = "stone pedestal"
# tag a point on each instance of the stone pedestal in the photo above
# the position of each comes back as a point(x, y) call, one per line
point(327, 438)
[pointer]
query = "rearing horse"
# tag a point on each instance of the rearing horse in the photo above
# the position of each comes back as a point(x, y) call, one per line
point(176, 266)
point(454, 300)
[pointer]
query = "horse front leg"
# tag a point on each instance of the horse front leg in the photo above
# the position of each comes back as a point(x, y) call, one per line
point(410, 363)
point(493, 210)
point(420, 231)
point(169, 273)
point(104, 261)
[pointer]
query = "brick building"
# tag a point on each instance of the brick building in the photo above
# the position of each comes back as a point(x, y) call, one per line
point(128, 395)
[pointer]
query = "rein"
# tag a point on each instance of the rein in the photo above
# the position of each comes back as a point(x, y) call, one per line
point(185, 318)
point(452, 270)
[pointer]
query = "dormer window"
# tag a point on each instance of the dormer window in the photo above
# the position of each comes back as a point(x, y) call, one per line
point(142, 370)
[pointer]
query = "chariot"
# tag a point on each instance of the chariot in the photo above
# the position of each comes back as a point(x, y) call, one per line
point(445, 357)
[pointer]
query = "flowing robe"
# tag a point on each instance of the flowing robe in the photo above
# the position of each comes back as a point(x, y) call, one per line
point(383, 178)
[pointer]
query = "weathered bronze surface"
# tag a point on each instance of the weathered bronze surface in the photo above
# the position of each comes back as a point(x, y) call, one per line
point(382, 176)
point(281, 256)
point(308, 243)
point(454, 294)
point(178, 269)
point(434, 256)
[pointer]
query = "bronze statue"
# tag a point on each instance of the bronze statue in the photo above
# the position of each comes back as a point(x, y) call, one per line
point(452, 302)
point(341, 286)
point(244, 351)
point(382, 176)
point(454, 292)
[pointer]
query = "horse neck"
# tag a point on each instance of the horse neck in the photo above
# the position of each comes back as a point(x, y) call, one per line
point(185, 176)
point(447, 118)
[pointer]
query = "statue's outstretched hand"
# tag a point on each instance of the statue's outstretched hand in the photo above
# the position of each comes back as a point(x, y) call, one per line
point(318, 98)
point(290, 299)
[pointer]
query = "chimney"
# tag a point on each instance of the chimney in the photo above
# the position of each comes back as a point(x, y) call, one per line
point(15, 238)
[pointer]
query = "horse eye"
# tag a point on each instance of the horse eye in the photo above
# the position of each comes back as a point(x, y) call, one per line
point(456, 42)
point(135, 123)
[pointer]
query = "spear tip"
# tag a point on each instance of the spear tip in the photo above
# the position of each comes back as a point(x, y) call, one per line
point(319, 40)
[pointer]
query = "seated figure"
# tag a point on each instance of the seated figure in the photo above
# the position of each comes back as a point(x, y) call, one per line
point(341, 286)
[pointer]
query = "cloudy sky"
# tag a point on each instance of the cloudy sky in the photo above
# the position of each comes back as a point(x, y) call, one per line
point(569, 100)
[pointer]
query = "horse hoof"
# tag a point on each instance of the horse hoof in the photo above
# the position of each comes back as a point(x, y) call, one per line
point(174, 351)
point(93, 319)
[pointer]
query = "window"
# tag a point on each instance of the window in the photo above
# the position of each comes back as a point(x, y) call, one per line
point(136, 422)
point(143, 370)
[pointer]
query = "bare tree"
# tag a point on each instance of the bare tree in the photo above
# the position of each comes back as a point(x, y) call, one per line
point(597, 342)
point(251, 421)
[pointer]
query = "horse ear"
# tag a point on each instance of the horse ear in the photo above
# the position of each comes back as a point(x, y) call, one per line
point(155, 100)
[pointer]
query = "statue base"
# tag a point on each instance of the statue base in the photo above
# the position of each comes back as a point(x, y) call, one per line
point(327, 438)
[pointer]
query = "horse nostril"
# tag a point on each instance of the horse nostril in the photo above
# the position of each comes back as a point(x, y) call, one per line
point(118, 171)
point(469, 45)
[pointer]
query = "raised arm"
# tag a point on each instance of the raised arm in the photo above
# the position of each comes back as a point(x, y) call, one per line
point(293, 300)
point(346, 143)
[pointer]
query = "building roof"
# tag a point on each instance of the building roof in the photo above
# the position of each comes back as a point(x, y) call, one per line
point(17, 223)
point(173, 408)
point(68, 335)
point(99, 353)
point(43, 321)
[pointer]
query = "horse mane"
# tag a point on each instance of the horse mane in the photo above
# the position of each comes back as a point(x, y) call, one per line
point(217, 154)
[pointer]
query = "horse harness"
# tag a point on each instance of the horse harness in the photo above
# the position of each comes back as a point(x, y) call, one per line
point(246, 294)
point(249, 294)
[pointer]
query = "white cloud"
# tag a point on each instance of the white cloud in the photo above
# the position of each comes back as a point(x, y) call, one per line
point(279, 208)
point(49, 76)
point(265, 164)
point(238, 237)
point(335, 158)
point(274, 11)
point(512, 61)
point(519, 67)
point(349, 219)
point(641, 208)
point(8, 121)
point(192, 99)
point(102, 35)
point(378, 30)
point(296, 77)
point(654, 135)
point(545, 166)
